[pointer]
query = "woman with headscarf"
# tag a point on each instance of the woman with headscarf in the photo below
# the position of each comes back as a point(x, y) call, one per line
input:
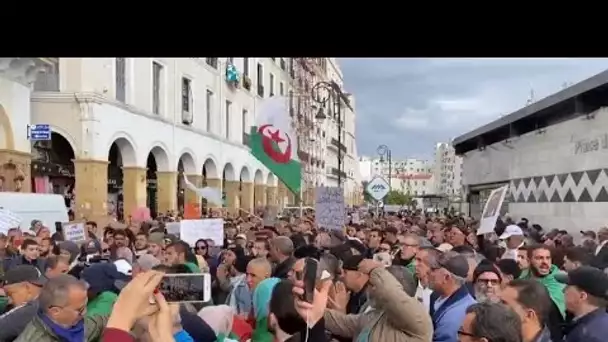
point(261, 300)
point(221, 319)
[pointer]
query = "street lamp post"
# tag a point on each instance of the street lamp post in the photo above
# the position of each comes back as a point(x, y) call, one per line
point(325, 93)
point(383, 151)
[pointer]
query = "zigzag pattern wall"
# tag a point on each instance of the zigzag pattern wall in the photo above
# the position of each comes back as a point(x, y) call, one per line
point(572, 187)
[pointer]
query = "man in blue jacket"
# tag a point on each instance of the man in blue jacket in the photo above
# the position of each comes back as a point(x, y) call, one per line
point(447, 278)
point(586, 296)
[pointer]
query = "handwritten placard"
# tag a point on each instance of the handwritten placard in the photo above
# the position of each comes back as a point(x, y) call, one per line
point(329, 207)
point(192, 230)
point(75, 232)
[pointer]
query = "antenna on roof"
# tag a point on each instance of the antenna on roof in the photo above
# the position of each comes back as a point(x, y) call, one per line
point(531, 98)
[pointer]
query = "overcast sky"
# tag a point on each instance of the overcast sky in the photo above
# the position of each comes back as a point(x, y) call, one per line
point(411, 104)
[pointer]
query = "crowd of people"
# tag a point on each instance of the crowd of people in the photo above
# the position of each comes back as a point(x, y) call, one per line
point(396, 277)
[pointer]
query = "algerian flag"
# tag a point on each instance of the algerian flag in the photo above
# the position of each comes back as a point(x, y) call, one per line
point(274, 143)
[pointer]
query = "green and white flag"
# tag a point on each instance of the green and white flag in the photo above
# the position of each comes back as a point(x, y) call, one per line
point(274, 142)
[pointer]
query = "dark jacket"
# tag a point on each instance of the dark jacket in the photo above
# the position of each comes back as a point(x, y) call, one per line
point(17, 260)
point(543, 336)
point(593, 327)
point(357, 301)
point(283, 268)
point(601, 259)
point(316, 333)
point(14, 322)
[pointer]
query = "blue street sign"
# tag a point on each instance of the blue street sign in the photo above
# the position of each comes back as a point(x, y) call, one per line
point(40, 132)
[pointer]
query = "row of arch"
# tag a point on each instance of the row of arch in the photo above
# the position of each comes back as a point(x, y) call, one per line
point(187, 165)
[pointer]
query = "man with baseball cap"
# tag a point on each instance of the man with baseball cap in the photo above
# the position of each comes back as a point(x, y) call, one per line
point(514, 239)
point(22, 285)
point(586, 296)
point(451, 298)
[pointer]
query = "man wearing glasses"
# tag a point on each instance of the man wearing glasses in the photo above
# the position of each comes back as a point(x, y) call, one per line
point(22, 285)
point(490, 322)
point(61, 315)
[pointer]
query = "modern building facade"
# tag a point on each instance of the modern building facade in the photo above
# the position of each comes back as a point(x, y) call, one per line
point(447, 171)
point(552, 155)
point(410, 175)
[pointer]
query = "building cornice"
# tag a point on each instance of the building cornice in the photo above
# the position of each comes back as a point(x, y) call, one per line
point(96, 98)
point(22, 70)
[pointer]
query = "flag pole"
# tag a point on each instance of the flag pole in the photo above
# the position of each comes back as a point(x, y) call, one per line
point(301, 207)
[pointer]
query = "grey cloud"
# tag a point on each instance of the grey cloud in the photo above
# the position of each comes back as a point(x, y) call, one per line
point(410, 104)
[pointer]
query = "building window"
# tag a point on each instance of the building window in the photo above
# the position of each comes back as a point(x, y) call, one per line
point(246, 66)
point(260, 78)
point(212, 62)
point(281, 89)
point(186, 101)
point(271, 85)
point(121, 79)
point(157, 72)
point(244, 123)
point(228, 110)
point(208, 109)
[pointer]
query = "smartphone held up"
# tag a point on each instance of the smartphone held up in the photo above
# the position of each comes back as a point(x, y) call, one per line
point(186, 288)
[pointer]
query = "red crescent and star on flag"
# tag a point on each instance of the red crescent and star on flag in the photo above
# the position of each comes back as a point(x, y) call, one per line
point(271, 139)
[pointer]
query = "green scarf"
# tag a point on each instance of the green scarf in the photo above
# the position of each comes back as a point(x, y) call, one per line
point(412, 268)
point(223, 337)
point(554, 287)
point(261, 300)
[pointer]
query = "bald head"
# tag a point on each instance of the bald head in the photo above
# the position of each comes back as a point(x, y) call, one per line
point(282, 245)
point(262, 265)
point(257, 270)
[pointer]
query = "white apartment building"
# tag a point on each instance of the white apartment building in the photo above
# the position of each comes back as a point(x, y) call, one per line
point(447, 171)
point(346, 141)
point(413, 176)
point(186, 115)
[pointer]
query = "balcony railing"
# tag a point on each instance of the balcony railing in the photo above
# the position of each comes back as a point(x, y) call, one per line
point(335, 143)
point(303, 155)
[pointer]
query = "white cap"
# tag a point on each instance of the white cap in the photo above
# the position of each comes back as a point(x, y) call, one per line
point(445, 247)
point(511, 230)
point(123, 266)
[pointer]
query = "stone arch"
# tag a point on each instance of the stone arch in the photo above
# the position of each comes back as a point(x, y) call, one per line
point(5, 125)
point(271, 180)
point(188, 163)
point(245, 175)
point(258, 178)
point(210, 166)
point(161, 156)
point(126, 147)
point(228, 173)
point(67, 137)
